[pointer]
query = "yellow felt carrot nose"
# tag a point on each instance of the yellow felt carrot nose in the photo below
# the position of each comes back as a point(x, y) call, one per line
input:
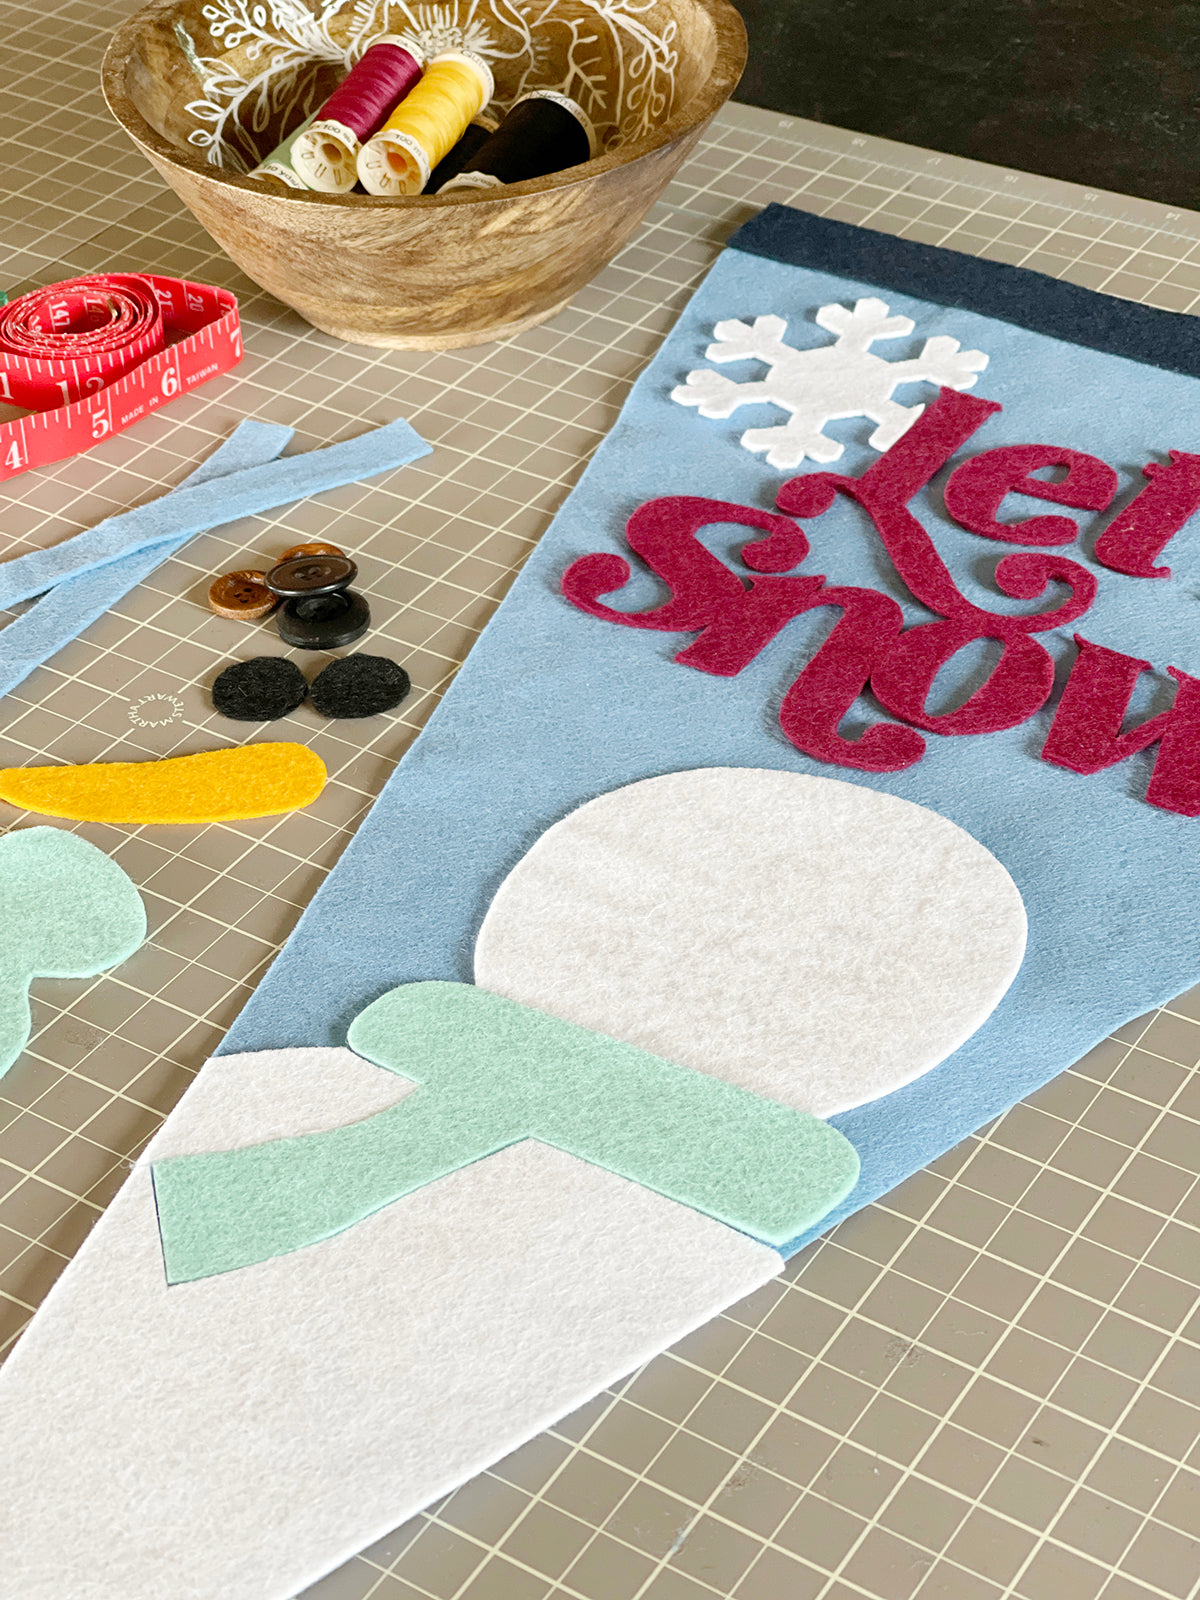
point(252, 780)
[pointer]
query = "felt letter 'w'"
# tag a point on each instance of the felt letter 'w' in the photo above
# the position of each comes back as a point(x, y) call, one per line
point(1086, 733)
point(490, 1073)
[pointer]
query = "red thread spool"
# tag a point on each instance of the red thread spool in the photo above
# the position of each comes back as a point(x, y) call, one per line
point(325, 155)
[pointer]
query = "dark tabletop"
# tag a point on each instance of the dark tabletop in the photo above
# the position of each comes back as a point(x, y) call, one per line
point(1102, 92)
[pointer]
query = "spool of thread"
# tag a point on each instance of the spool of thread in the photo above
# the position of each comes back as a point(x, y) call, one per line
point(544, 132)
point(324, 155)
point(426, 125)
point(478, 133)
point(278, 164)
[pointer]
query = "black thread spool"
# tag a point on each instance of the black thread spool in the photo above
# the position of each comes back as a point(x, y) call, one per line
point(452, 163)
point(321, 611)
point(543, 133)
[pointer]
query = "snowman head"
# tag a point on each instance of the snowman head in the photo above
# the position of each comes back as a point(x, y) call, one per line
point(811, 940)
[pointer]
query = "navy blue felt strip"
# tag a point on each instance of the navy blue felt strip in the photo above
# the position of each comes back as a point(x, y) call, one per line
point(993, 288)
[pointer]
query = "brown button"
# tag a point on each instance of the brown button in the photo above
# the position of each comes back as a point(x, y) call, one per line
point(242, 595)
point(317, 549)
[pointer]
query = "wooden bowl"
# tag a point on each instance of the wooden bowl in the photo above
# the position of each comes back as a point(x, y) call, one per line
point(205, 88)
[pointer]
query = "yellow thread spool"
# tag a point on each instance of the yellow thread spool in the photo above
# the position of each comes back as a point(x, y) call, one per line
point(427, 123)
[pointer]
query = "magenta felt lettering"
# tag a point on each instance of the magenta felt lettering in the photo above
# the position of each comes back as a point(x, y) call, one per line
point(1148, 523)
point(735, 619)
point(821, 696)
point(1017, 686)
point(868, 648)
point(884, 490)
point(1086, 732)
point(977, 489)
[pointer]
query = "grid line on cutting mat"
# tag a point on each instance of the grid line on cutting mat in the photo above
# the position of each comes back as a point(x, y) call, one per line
point(984, 1386)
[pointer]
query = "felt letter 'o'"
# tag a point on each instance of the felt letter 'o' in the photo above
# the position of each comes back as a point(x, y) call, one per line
point(977, 488)
point(1017, 686)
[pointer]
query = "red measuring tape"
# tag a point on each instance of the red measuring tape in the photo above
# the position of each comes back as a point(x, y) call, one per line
point(90, 356)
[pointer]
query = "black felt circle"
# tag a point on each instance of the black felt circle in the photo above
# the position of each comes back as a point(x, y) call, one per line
point(259, 690)
point(359, 686)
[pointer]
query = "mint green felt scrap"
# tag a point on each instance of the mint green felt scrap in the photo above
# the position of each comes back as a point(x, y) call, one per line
point(66, 911)
point(490, 1073)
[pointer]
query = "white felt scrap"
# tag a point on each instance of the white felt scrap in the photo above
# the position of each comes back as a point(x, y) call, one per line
point(812, 940)
point(241, 1436)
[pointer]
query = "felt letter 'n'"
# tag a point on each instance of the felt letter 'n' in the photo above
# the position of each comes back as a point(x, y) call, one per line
point(735, 621)
point(1086, 733)
point(831, 682)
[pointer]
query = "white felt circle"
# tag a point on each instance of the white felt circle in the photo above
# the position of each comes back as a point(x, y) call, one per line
point(811, 940)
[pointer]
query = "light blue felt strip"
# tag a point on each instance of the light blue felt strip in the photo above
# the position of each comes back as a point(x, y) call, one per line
point(492, 1072)
point(66, 911)
point(73, 605)
point(197, 507)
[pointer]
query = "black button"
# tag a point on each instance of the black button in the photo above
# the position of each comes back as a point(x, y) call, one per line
point(320, 612)
point(310, 575)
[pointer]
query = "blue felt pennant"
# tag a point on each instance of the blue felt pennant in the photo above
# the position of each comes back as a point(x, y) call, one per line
point(555, 707)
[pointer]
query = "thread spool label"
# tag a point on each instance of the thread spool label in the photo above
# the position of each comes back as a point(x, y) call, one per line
point(277, 169)
point(279, 163)
point(324, 157)
point(380, 177)
point(338, 132)
point(473, 180)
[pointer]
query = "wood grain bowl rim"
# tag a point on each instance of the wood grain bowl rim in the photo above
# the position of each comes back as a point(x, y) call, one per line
point(728, 64)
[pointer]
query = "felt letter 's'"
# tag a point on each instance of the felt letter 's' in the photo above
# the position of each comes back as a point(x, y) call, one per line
point(1136, 535)
point(831, 682)
point(1086, 733)
point(976, 490)
point(736, 621)
point(491, 1073)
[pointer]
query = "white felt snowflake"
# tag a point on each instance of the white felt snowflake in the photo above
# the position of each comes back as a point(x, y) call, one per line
point(842, 379)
